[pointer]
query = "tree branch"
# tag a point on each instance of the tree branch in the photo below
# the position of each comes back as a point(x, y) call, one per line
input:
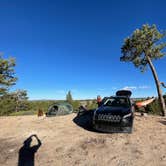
point(163, 84)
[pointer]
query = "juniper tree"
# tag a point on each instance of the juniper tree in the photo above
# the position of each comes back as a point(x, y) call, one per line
point(141, 48)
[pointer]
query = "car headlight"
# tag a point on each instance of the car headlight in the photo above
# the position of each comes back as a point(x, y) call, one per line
point(128, 115)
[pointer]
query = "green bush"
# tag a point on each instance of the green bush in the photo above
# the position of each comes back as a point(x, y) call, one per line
point(92, 105)
point(153, 108)
point(7, 105)
point(75, 104)
point(40, 104)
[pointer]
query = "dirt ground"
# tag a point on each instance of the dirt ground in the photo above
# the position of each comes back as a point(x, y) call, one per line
point(64, 142)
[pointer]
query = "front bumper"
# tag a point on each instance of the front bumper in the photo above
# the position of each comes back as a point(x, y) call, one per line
point(112, 129)
point(122, 126)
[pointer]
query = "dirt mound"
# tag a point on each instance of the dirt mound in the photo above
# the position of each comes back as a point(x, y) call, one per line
point(64, 142)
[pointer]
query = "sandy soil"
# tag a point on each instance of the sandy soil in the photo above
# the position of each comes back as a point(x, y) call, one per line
point(66, 143)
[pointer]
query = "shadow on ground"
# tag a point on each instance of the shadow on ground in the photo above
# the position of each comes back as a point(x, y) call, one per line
point(27, 152)
point(84, 120)
point(163, 122)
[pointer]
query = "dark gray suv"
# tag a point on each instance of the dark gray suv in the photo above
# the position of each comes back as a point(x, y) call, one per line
point(116, 113)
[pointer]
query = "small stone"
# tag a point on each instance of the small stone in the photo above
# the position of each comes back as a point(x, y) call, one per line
point(163, 158)
point(11, 150)
point(144, 114)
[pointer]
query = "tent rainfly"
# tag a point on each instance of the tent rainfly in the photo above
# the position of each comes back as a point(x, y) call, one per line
point(59, 109)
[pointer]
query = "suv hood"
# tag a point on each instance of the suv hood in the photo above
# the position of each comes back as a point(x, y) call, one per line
point(113, 110)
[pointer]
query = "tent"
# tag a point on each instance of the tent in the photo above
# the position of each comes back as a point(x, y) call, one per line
point(59, 109)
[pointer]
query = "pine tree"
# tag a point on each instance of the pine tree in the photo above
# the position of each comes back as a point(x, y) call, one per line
point(69, 97)
point(141, 48)
point(7, 77)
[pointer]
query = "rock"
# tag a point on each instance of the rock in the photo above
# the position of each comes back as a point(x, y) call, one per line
point(144, 114)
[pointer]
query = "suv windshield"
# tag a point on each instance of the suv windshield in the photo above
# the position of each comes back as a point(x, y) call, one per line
point(117, 102)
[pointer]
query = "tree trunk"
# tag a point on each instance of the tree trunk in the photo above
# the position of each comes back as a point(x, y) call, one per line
point(160, 96)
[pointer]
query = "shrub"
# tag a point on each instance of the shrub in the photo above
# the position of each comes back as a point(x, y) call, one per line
point(92, 105)
point(7, 105)
point(153, 108)
point(76, 104)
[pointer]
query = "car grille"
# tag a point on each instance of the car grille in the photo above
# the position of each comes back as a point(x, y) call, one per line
point(109, 118)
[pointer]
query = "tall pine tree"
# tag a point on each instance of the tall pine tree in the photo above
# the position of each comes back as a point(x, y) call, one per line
point(7, 77)
point(141, 48)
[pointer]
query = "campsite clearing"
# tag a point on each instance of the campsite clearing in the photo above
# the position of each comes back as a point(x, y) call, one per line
point(66, 143)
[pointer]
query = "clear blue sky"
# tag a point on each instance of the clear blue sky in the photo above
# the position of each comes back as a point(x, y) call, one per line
point(75, 45)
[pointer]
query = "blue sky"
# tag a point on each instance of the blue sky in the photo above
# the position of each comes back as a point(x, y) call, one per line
point(75, 45)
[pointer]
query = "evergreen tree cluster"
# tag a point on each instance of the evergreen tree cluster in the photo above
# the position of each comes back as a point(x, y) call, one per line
point(10, 101)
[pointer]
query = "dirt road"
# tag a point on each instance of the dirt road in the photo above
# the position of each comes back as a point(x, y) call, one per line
point(63, 142)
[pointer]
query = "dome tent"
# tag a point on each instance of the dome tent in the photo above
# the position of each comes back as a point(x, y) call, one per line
point(57, 109)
